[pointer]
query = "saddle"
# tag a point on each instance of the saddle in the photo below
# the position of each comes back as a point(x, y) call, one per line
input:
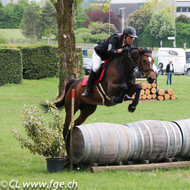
point(99, 75)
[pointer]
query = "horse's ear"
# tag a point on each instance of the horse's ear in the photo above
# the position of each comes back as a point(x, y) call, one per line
point(151, 48)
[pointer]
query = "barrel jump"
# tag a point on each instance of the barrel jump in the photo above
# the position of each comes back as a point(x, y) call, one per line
point(109, 144)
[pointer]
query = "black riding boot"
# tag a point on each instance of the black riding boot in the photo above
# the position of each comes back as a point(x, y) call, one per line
point(91, 79)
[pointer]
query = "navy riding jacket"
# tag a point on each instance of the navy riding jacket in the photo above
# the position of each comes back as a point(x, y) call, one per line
point(108, 48)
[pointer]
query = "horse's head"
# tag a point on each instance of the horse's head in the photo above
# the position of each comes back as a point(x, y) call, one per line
point(145, 64)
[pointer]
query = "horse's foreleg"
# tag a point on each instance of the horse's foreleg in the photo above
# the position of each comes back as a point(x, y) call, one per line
point(132, 106)
point(86, 110)
point(123, 90)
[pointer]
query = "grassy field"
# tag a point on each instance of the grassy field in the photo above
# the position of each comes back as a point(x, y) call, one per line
point(12, 34)
point(15, 36)
point(18, 165)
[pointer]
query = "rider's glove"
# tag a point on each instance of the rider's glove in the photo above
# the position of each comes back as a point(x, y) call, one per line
point(125, 49)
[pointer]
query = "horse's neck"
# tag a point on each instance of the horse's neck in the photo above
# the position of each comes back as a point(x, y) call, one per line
point(130, 60)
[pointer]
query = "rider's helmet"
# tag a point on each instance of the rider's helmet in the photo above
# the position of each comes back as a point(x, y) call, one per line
point(130, 31)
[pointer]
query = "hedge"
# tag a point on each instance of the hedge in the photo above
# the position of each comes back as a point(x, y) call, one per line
point(10, 66)
point(39, 61)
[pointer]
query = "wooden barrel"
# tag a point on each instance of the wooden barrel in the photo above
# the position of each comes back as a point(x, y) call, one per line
point(107, 143)
point(155, 140)
point(102, 143)
point(184, 126)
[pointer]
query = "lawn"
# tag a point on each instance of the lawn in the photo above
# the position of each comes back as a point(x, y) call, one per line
point(15, 36)
point(18, 166)
point(12, 34)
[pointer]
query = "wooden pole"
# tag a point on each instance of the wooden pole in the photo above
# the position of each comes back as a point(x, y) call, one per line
point(143, 167)
point(72, 126)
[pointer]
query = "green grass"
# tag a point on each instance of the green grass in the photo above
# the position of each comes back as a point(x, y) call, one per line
point(16, 36)
point(19, 164)
point(12, 34)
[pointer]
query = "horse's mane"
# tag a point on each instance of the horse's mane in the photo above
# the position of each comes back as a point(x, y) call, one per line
point(143, 50)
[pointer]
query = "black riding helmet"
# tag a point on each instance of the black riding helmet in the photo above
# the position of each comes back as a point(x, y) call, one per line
point(130, 31)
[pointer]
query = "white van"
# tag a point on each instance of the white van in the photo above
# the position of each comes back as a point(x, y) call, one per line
point(178, 57)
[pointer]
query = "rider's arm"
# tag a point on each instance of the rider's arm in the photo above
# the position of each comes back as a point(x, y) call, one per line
point(113, 49)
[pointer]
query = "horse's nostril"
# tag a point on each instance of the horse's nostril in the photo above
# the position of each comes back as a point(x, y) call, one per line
point(150, 80)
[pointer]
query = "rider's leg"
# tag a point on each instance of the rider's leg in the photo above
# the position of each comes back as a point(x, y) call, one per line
point(96, 62)
point(89, 84)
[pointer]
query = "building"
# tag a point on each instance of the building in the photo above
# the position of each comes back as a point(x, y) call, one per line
point(182, 7)
point(129, 6)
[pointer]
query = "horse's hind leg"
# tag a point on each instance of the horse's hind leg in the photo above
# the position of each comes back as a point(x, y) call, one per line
point(86, 110)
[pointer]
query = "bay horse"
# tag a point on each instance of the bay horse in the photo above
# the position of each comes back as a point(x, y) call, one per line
point(118, 81)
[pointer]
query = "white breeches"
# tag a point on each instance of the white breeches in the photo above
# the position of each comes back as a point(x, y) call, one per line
point(96, 61)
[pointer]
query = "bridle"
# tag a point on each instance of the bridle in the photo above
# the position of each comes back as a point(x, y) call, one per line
point(140, 63)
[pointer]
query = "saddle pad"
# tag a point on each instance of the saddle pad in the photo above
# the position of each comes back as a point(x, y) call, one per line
point(85, 80)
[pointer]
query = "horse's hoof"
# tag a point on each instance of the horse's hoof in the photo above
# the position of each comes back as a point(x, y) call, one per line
point(131, 108)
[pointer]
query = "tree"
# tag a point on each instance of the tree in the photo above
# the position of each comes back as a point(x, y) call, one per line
point(183, 18)
point(12, 14)
point(156, 5)
point(83, 33)
point(8, 17)
point(99, 16)
point(65, 10)
point(48, 17)
point(81, 17)
point(96, 32)
point(1, 15)
point(30, 20)
point(139, 19)
point(161, 24)
point(19, 11)
point(99, 28)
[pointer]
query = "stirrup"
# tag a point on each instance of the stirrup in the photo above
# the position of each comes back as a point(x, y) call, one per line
point(86, 93)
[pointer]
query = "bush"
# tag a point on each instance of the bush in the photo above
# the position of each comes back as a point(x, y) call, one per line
point(10, 66)
point(44, 137)
point(97, 38)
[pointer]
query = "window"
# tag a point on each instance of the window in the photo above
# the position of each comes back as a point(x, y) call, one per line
point(184, 9)
point(188, 9)
point(178, 9)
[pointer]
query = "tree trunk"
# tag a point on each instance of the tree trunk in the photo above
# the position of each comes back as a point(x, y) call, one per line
point(49, 34)
point(66, 42)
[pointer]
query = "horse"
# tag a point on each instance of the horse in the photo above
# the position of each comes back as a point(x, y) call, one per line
point(117, 84)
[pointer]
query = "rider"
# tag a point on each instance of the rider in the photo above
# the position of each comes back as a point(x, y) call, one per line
point(109, 49)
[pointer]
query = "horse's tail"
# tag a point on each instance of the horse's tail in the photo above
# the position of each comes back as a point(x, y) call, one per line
point(61, 103)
